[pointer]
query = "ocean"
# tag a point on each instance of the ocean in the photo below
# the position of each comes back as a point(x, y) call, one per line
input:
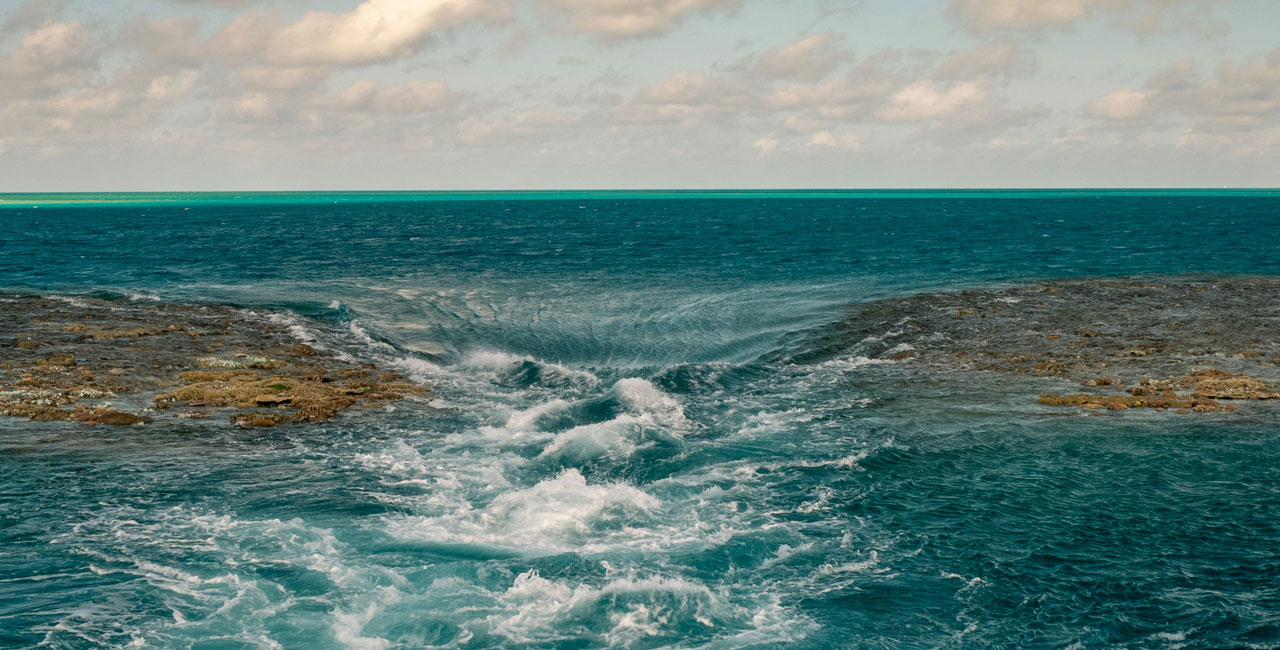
point(657, 419)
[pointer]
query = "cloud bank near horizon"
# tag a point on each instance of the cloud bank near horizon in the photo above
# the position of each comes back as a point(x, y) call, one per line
point(457, 94)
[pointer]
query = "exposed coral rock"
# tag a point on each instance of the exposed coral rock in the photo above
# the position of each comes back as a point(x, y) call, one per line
point(1235, 388)
point(1166, 342)
point(1209, 386)
point(198, 356)
point(257, 419)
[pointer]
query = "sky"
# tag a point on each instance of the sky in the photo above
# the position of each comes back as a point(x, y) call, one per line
point(157, 95)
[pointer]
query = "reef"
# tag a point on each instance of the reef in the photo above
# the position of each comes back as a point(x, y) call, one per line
point(88, 360)
point(1182, 344)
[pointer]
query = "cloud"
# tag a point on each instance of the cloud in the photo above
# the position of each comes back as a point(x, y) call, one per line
point(1240, 96)
point(1000, 60)
point(679, 88)
point(765, 145)
point(808, 59)
point(955, 93)
point(1141, 16)
point(850, 141)
point(1124, 105)
point(984, 15)
point(520, 125)
point(1235, 98)
point(625, 18)
point(30, 14)
point(376, 30)
point(923, 101)
point(415, 96)
point(51, 56)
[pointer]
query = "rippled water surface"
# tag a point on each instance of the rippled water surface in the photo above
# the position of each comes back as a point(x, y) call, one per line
point(653, 425)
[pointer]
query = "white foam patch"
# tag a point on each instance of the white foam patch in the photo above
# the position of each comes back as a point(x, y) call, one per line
point(296, 329)
point(364, 337)
point(617, 438)
point(768, 423)
point(647, 400)
point(495, 361)
point(653, 414)
point(74, 302)
point(637, 607)
point(784, 552)
point(526, 420)
point(446, 481)
point(521, 426)
point(418, 369)
point(557, 514)
point(853, 363)
point(348, 626)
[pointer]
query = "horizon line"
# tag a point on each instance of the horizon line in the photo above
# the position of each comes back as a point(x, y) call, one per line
point(1046, 188)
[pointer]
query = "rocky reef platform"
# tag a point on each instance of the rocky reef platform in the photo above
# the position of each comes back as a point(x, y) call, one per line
point(1183, 344)
point(104, 362)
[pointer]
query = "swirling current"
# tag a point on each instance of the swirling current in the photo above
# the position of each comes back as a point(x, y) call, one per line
point(656, 421)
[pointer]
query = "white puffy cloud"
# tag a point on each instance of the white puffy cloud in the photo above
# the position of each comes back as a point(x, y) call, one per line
point(922, 101)
point(376, 30)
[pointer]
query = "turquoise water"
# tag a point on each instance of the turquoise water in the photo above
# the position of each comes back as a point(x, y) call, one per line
point(646, 431)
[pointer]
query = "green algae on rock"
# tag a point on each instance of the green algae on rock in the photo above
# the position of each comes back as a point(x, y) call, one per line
point(66, 356)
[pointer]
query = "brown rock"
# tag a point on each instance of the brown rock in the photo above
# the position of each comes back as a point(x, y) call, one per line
point(118, 418)
point(1235, 388)
point(301, 350)
point(257, 419)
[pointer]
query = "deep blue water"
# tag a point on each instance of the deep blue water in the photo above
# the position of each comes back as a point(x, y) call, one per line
point(613, 456)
